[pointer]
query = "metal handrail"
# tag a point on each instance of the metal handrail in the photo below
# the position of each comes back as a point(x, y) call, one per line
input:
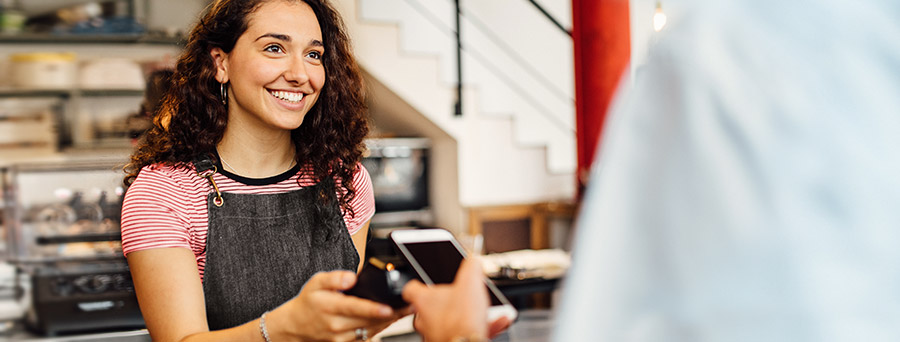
point(516, 88)
point(459, 72)
point(550, 17)
point(494, 38)
point(486, 61)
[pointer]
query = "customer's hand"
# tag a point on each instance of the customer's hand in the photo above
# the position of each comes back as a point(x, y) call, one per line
point(458, 309)
point(321, 313)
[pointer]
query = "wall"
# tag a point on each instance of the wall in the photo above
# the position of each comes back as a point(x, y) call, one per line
point(510, 151)
point(391, 115)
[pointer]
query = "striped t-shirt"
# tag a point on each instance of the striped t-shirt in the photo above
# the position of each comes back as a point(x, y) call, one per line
point(167, 206)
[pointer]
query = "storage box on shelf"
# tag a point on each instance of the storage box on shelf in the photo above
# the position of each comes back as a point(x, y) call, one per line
point(65, 119)
point(96, 80)
point(27, 127)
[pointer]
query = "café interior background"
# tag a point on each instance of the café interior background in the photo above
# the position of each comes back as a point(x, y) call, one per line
point(500, 164)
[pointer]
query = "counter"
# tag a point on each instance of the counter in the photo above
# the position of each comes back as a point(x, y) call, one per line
point(532, 326)
point(18, 333)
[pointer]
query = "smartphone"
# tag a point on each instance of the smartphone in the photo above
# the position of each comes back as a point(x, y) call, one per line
point(435, 256)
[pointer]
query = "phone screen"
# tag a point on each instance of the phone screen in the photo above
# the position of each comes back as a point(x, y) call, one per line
point(440, 260)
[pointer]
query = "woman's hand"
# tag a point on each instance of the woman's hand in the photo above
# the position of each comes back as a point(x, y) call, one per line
point(321, 313)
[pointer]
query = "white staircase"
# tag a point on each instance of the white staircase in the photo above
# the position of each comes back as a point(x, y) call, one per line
point(516, 141)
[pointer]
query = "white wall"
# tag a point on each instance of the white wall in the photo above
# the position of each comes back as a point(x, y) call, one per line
point(495, 171)
point(392, 115)
point(515, 140)
point(521, 63)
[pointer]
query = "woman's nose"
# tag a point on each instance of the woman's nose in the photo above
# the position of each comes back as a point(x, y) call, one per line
point(296, 72)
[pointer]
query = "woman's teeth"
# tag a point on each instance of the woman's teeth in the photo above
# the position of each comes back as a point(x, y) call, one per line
point(287, 96)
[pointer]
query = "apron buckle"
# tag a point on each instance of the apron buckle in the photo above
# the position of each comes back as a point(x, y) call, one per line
point(206, 169)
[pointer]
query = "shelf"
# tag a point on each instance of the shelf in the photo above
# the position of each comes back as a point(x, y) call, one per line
point(514, 287)
point(67, 93)
point(40, 260)
point(92, 237)
point(40, 38)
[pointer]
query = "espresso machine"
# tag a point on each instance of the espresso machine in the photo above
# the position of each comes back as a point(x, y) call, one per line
point(62, 231)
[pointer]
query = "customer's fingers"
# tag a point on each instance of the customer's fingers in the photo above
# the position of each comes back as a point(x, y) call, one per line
point(470, 281)
point(498, 326)
point(469, 271)
point(413, 290)
point(409, 310)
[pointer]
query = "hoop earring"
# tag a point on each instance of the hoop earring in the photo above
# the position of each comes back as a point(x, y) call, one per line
point(223, 90)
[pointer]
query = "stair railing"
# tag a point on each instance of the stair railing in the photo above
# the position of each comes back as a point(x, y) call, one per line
point(461, 46)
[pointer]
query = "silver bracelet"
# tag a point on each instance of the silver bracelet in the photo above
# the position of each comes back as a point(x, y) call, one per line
point(262, 327)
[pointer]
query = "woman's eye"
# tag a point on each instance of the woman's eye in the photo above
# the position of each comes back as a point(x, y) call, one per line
point(314, 55)
point(273, 48)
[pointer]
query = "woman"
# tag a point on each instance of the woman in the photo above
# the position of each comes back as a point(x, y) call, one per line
point(249, 187)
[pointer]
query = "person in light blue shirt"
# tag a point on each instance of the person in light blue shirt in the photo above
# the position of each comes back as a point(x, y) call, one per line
point(747, 187)
point(748, 183)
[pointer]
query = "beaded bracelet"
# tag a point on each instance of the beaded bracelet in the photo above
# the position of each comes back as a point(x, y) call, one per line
point(262, 327)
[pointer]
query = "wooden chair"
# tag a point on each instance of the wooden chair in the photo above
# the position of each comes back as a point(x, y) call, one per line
point(511, 227)
point(520, 226)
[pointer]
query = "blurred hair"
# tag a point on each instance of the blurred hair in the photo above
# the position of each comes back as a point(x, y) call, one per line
point(158, 83)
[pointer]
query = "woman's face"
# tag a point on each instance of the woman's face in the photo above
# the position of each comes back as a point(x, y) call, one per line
point(275, 70)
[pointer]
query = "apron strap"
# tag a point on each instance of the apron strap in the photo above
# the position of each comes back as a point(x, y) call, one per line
point(206, 169)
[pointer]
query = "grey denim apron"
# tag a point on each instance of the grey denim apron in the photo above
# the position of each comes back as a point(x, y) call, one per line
point(261, 249)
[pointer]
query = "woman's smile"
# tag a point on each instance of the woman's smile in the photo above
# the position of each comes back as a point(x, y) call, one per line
point(291, 100)
point(289, 96)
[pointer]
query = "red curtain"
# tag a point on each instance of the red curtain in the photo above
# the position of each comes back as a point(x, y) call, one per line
point(601, 36)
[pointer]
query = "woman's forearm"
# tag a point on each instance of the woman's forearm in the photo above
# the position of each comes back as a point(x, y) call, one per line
point(247, 332)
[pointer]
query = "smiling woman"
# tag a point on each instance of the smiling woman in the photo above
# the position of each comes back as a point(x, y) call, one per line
point(247, 198)
point(275, 71)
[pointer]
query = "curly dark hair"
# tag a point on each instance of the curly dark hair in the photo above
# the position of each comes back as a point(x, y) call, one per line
point(192, 119)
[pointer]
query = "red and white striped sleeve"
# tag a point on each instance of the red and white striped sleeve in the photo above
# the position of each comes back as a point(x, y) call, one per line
point(364, 203)
point(154, 212)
